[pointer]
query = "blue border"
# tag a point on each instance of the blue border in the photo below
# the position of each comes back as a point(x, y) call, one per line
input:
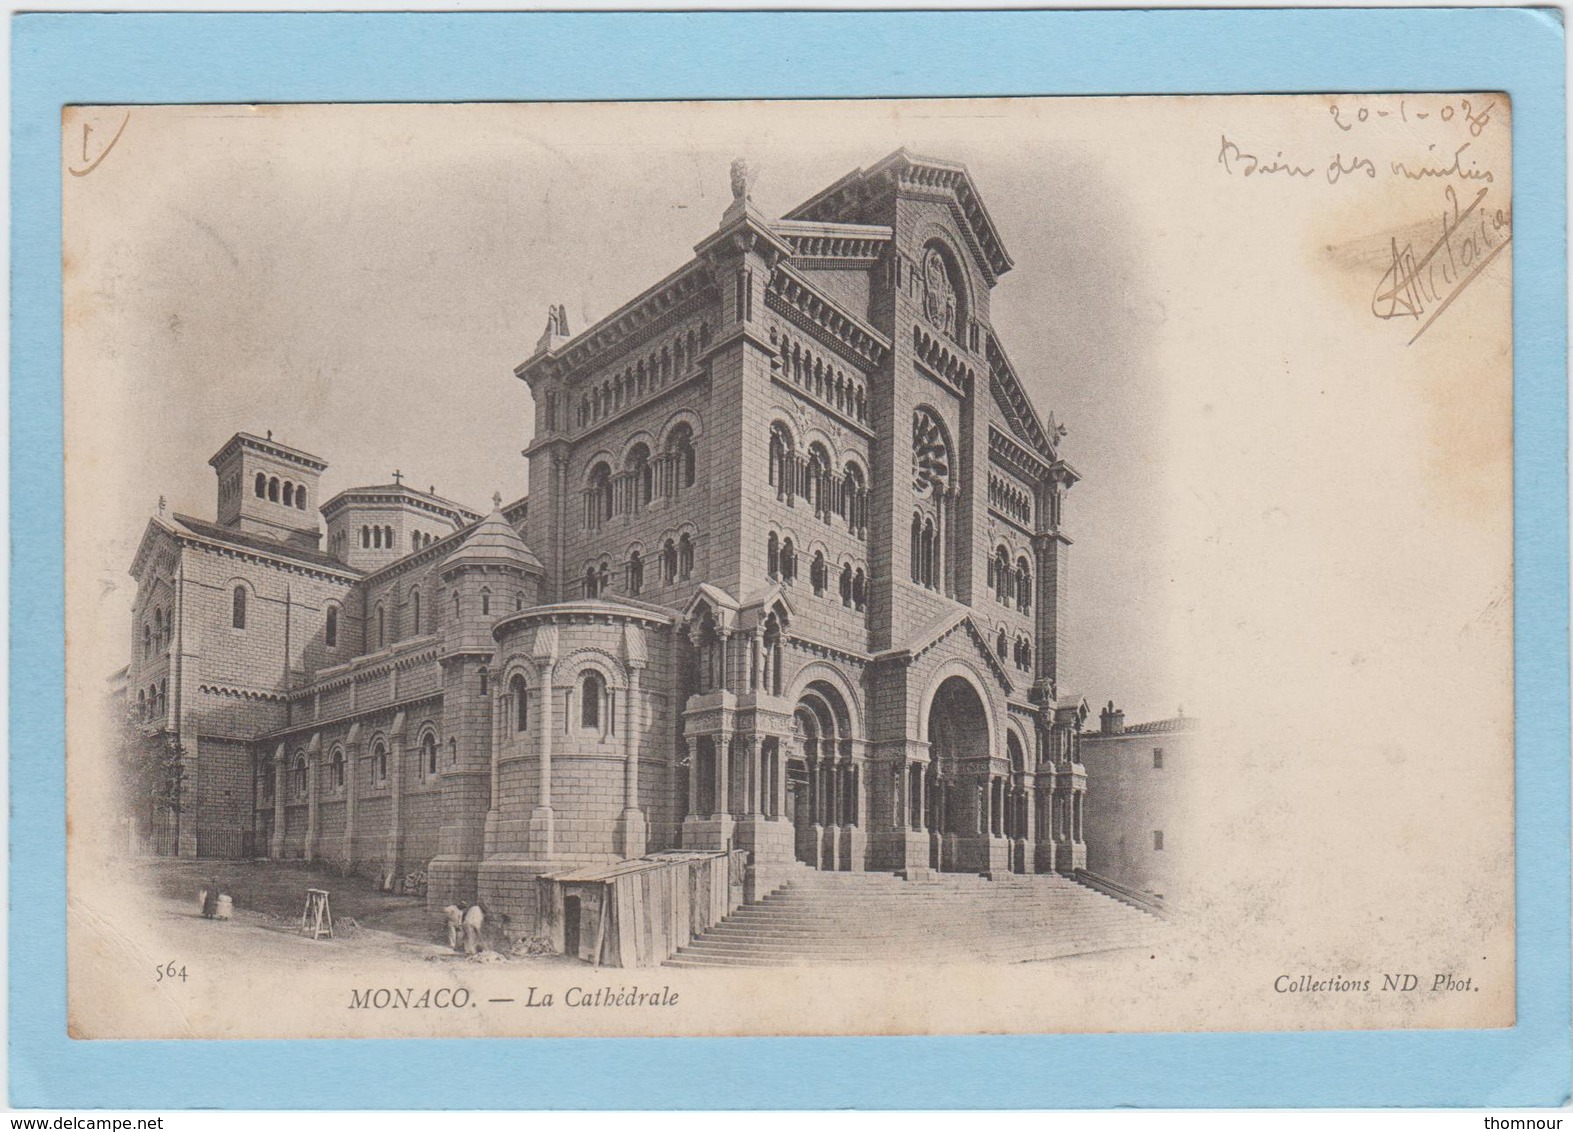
point(62, 58)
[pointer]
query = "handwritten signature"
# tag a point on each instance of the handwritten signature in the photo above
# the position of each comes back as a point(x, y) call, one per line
point(1422, 286)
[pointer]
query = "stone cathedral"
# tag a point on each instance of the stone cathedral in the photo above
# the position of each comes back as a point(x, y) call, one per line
point(791, 579)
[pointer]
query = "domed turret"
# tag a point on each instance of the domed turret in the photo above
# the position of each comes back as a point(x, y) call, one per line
point(493, 542)
point(491, 574)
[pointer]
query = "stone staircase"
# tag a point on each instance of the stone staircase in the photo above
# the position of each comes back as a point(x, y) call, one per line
point(821, 918)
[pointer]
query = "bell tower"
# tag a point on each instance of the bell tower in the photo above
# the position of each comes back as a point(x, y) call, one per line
point(267, 488)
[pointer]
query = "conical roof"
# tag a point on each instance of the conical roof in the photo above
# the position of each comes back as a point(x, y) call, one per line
point(492, 541)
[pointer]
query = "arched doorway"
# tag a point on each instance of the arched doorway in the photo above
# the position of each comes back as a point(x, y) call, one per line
point(824, 780)
point(961, 795)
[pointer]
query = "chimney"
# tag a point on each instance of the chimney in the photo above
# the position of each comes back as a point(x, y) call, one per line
point(1111, 720)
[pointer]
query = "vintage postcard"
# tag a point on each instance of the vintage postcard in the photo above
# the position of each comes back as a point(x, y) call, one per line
point(826, 568)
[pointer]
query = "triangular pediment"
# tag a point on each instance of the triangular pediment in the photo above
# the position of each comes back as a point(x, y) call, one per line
point(1016, 407)
point(960, 622)
point(912, 175)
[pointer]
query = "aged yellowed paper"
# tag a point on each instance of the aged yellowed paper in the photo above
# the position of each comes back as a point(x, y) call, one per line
point(1013, 565)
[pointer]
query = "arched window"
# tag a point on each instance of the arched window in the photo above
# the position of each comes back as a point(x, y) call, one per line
point(331, 634)
point(382, 627)
point(387, 537)
point(592, 581)
point(379, 762)
point(635, 573)
point(1026, 655)
point(817, 573)
point(685, 556)
point(772, 556)
point(816, 489)
point(453, 751)
point(365, 538)
point(781, 459)
point(598, 496)
point(518, 603)
point(680, 448)
point(999, 644)
point(788, 561)
point(300, 497)
point(273, 489)
point(591, 690)
point(456, 605)
point(486, 602)
point(429, 754)
point(640, 476)
point(158, 628)
point(1023, 585)
point(300, 774)
point(141, 704)
point(854, 498)
point(521, 703)
point(669, 561)
point(859, 590)
point(262, 486)
point(289, 494)
point(846, 584)
point(147, 641)
point(415, 612)
point(376, 538)
point(237, 611)
point(486, 680)
point(1002, 580)
point(338, 768)
point(917, 547)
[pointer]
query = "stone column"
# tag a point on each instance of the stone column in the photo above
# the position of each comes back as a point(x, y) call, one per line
point(541, 818)
point(313, 773)
point(753, 798)
point(276, 842)
point(723, 776)
point(633, 834)
point(393, 854)
point(783, 753)
point(691, 749)
point(351, 793)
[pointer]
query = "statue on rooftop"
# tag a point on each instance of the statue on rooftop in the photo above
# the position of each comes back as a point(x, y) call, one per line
point(743, 175)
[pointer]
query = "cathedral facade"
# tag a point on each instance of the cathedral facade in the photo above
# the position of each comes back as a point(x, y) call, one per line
point(791, 579)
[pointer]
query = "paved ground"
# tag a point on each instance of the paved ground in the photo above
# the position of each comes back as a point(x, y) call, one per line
point(269, 897)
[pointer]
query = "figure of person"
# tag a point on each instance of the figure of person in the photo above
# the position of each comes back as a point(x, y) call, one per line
point(474, 921)
point(454, 916)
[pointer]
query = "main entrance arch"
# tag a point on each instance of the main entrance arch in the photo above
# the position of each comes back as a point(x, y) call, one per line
point(967, 794)
point(824, 781)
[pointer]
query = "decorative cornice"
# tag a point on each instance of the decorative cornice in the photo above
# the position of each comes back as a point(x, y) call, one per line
point(1006, 387)
point(643, 316)
point(1017, 458)
point(248, 554)
point(399, 496)
point(305, 726)
point(270, 447)
point(855, 245)
point(403, 655)
point(917, 176)
point(828, 650)
point(235, 692)
point(810, 308)
point(936, 354)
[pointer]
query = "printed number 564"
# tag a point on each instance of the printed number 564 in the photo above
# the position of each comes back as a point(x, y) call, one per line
point(169, 971)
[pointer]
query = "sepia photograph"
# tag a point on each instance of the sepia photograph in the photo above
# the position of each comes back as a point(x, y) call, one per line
point(953, 566)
